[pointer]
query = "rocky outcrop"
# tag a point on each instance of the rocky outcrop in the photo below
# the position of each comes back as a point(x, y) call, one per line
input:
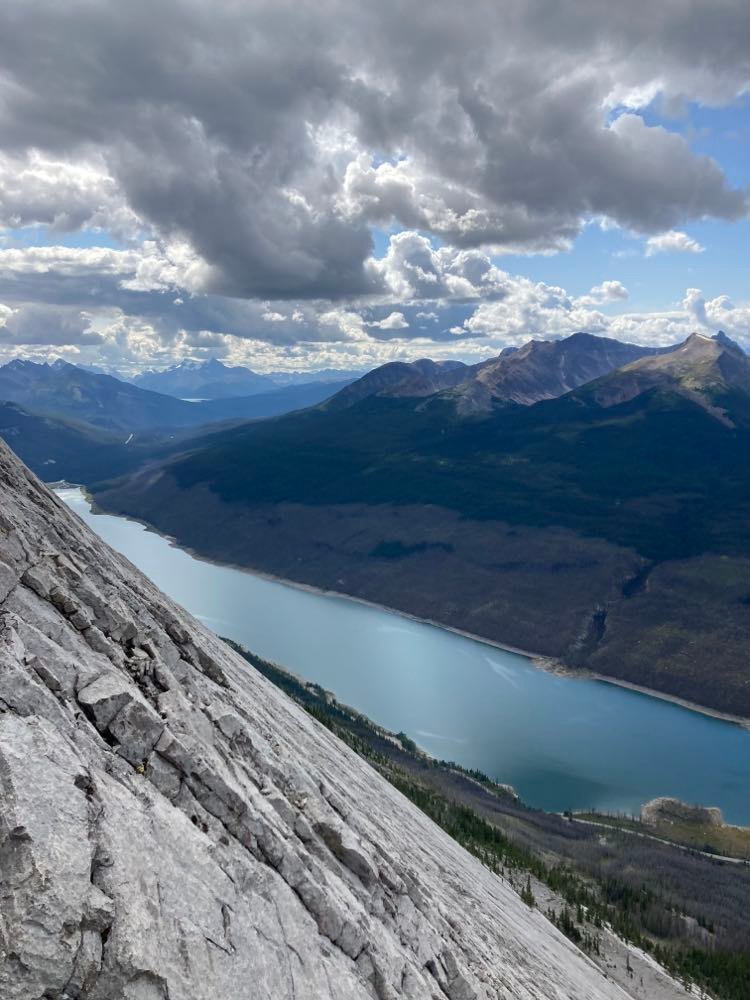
point(666, 810)
point(173, 828)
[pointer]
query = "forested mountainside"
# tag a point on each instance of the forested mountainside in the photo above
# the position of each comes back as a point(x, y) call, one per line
point(65, 391)
point(67, 423)
point(607, 527)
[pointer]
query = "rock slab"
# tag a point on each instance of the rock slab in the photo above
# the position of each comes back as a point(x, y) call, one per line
point(172, 827)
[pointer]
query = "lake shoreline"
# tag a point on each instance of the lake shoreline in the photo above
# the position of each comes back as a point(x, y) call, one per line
point(548, 664)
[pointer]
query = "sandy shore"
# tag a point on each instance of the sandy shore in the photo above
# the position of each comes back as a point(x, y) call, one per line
point(546, 663)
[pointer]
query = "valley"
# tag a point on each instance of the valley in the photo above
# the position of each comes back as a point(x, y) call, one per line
point(374, 500)
point(607, 528)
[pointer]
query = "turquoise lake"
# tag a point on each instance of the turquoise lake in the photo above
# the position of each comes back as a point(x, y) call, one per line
point(562, 743)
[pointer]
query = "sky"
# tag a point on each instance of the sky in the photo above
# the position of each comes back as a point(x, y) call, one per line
point(333, 183)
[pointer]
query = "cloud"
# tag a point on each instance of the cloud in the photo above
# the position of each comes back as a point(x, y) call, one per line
point(534, 310)
point(46, 325)
point(719, 313)
point(267, 137)
point(119, 307)
point(673, 241)
point(242, 167)
point(393, 321)
point(65, 196)
point(608, 291)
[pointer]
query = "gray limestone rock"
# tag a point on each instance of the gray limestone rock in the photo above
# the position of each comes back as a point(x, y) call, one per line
point(105, 697)
point(172, 827)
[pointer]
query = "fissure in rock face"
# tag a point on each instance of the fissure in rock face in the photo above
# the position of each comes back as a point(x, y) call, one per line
point(172, 827)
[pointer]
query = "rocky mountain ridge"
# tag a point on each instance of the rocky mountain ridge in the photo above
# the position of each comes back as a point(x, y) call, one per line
point(173, 828)
point(702, 369)
point(401, 378)
point(539, 369)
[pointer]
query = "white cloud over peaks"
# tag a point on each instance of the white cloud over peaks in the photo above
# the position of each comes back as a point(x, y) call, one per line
point(270, 158)
point(533, 309)
point(719, 313)
point(673, 241)
point(171, 265)
point(542, 311)
point(5, 313)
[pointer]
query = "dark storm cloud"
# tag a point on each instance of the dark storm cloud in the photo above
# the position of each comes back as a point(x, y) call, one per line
point(269, 135)
point(41, 324)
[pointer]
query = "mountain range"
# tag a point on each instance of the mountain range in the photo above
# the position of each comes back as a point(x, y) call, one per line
point(214, 380)
point(540, 369)
point(607, 527)
point(204, 380)
point(66, 419)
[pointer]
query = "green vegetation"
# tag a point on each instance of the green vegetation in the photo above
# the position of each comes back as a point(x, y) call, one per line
point(657, 474)
point(399, 550)
point(725, 841)
point(692, 914)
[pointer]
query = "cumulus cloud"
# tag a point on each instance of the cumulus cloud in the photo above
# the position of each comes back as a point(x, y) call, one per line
point(412, 269)
point(119, 307)
point(607, 291)
point(719, 313)
point(672, 241)
point(393, 321)
point(65, 196)
point(269, 135)
point(241, 165)
point(610, 291)
point(534, 309)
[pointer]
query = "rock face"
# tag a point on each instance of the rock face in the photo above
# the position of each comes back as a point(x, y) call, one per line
point(666, 810)
point(707, 370)
point(173, 828)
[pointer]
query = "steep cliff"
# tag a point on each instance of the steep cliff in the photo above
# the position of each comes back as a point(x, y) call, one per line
point(173, 828)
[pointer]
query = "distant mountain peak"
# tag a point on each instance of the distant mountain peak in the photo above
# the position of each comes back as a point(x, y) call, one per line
point(211, 365)
point(21, 364)
point(708, 370)
point(210, 379)
point(416, 379)
point(539, 369)
point(706, 344)
point(722, 338)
